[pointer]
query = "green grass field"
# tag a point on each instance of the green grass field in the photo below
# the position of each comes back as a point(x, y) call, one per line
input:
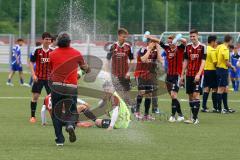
point(215, 138)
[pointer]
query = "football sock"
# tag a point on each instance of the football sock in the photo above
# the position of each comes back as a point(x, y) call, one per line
point(219, 100)
point(237, 85)
point(33, 108)
point(21, 81)
point(179, 111)
point(191, 104)
point(215, 100)
point(147, 105)
point(196, 109)
point(174, 107)
point(139, 101)
point(225, 100)
point(31, 81)
point(233, 84)
point(89, 115)
point(9, 81)
point(205, 98)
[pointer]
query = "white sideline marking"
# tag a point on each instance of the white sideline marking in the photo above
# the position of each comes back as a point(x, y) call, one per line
point(159, 99)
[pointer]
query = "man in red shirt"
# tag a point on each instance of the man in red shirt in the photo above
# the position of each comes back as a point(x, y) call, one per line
point(40, 76)
point(64, 63)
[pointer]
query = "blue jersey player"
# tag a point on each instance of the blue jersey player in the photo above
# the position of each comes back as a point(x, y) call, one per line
point(16, 64)
point(235, 75)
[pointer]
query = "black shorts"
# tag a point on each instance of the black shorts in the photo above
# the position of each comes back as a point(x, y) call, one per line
point(210, 79)
point(106, 123)
point(192, 86)
point(149, 86)
point(172, 83)
point(37, 86)
point(121, 83)
point(222, 77)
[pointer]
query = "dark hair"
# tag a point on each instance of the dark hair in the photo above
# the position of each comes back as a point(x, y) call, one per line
point(227, 38)
point(20, 40)
point(194, 31)
point(212, 38)
point(54, 37)
point(63, 40)
point(46, 35)
point(231, 46)
point(122, 31)
point(38, 44)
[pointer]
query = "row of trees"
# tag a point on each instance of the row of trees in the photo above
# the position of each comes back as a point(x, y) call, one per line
point(131, 15)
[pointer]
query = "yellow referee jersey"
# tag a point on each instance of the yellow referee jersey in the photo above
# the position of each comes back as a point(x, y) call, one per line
point(222, 56)
point(211, 59)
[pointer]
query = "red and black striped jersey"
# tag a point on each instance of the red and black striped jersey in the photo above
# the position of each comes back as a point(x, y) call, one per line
point(41, 58)
point(194, 55)
point(120, 54)
point(146, 70)
point(174, 58)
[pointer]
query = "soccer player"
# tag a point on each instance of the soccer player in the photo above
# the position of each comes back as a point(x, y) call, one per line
point(121, 58)
point(223, 63)
point(210, 76)
point(235, 75)
point(82, 107)
point(120, 115)
point(146, 76)
point(194, 61)
point(174, 56)
point(41, 75)
point(16, 63)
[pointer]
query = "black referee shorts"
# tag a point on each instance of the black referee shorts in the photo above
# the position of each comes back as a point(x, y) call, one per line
point(210, 79)
point(38, 86)
point(222, 77)
point(192, 86)
point(172, 83)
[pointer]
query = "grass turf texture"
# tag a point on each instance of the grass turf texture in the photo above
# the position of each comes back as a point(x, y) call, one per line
point(216, 137)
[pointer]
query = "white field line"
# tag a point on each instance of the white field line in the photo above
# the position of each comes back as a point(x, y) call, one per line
point(86, 98)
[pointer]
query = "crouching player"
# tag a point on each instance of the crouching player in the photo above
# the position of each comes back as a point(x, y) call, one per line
point(120, 115)
point(82, 107)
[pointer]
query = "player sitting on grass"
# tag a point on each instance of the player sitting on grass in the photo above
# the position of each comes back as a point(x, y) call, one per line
point(82, 107)
point(120, 115)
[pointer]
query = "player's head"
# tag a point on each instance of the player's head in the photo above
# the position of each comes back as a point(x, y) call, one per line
point(228, 39)
point(20, 41)
point(170, 40)
point(212, 40)
point(122, 35)
point(231, 48)
point(63, 40)
point(194, 36)
point(54, 39)
point(46, 38)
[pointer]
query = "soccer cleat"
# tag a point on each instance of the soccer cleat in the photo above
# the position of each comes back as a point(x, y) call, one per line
point(33, 120)
point(148, 118)
point(72, 136)
point(226, 111)
point(9, 84)
point(204, 110)
point(44, 124)
point(216, 111)
point(156, 111)
point(195, 122)
point(192, 121)
point(172, 119)
point(138, 115)
point(59, 144)
point(230, 110)
point(180, 119)
point(25, 85)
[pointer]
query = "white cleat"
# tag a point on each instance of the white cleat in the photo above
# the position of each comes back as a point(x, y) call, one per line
point(59, 144)
point(172, 119)
point(180, 119)
point(25, 85)
point(9, 84)
point(196, 121)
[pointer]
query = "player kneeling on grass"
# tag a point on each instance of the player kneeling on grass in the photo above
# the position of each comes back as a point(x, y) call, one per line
point(82, 107)
point(120, 115)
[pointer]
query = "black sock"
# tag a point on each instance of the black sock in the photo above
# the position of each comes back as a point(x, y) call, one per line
point(89, 115)
point(191, 104)
point(139, 101)
point(233, 84)
point(205, 98)
point(225, 100)
point(196, 109)
point(179, 111)
point(215, 100)
point(219, 100)
point(33, 108)
point(174, 107)
point(154, 103)
point(147, 105)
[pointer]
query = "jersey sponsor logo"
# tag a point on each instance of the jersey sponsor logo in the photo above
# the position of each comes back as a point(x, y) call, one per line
point(45, 60)
point(120, 54)
point(194, 56)
point(171, 55)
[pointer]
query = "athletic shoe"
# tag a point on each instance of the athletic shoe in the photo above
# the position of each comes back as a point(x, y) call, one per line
point(189, 121)
point(226, 111)
point(25, 85)
point(172, 119)
point(9, 84)
point(148, 118)
point(33, 120)
point(156, 111)
point(230, 110)
point(196, 121)
point(216, 111)
point(192, 121)
point(204, 110)
point(72, 136)
point(44, 124)
point(138, 115)
point(59, 144)
point(180, 118)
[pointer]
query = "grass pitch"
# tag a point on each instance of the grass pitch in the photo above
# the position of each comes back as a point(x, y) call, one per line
point(216, 137)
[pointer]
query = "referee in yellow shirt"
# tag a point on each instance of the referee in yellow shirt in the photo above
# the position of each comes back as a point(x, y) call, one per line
point(210, 76)
point(223, 64)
